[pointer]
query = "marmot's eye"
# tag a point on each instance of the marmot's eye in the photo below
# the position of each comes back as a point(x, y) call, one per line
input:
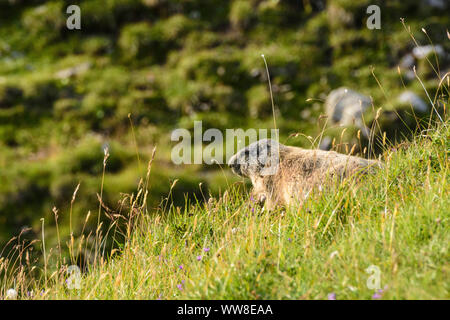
point(246, 153)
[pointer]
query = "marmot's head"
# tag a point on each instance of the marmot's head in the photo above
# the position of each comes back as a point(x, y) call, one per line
point(260, 158)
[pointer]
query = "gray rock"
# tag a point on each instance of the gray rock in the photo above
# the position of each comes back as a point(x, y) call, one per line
point(438, 4)
point(346, 107)
point(407, 62)
point(423, 51)
point(414, 100)
point(325, 144)
point(410, 60)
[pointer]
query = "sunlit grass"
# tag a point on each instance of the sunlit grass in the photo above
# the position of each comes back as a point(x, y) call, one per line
point(229, 248)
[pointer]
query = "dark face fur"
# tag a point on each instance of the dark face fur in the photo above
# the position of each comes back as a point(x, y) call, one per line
point(260, 158)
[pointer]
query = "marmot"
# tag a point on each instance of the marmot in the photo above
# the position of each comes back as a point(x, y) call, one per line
point(284, 175)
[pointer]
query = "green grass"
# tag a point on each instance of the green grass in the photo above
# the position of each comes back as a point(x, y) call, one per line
point(191, 61)
point(228, 248)
point(170, 63)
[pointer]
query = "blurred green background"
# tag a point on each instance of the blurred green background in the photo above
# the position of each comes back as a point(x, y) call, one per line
point(66, 94)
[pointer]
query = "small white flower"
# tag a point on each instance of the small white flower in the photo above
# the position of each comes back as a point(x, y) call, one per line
point(333, 254)
point(353, 289)
point(11, 294)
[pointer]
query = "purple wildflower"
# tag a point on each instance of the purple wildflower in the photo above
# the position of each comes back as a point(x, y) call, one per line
point(199, 258)
point(289, 239)
point(378, 294)
point(180, 287)
point(253, 210)
point(206, 249)
point(181, 267)
point(332, 296)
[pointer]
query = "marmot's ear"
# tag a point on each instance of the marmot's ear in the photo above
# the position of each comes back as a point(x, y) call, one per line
point(264, 148)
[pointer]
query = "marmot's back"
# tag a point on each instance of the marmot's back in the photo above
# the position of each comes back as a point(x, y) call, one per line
point(322, 163)
point(302, 170)
point(282, 174)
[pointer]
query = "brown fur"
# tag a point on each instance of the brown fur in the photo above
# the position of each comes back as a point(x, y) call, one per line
point(301, 170)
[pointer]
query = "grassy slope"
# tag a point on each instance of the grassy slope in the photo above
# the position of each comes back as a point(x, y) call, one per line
point(396, 220)
point(169, 63)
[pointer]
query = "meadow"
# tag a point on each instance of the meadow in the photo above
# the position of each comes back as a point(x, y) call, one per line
point(92, 207)
point(230, 248)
